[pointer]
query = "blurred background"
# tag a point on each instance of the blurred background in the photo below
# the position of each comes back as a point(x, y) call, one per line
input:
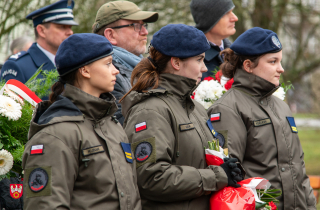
point(297, 22)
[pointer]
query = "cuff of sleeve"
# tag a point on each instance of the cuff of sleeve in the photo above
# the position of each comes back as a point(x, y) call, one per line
point(214, 178)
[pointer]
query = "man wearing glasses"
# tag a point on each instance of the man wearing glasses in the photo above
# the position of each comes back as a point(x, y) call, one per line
point(125, 26)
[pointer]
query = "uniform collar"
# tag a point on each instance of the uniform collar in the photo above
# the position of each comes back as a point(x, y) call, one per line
point(177, 85)
point(93, 107)
point(252, 84)
point(47, 53)
point(39, 57)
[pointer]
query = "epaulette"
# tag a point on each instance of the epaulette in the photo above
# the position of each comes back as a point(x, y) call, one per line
point(18, 55)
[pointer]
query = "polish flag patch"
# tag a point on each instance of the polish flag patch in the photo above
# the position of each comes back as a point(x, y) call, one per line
point(141, 126)
point(36, 149)
point(215, 117)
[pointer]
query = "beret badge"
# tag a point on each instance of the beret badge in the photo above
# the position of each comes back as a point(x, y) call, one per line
point(276, 41)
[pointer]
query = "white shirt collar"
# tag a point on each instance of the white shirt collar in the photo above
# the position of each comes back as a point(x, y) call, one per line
point(47, 53)
point(221, 46)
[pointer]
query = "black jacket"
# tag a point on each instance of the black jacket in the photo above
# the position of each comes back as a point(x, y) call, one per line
point(213, 59)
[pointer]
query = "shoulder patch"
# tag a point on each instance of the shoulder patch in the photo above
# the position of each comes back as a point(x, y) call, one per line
point(126, 147)
point(144, 151)
point(262, 122)
point(214, 133)
point(36, 149)
point(215, 117)
point(224, 134)
point(140, 126)
point(221, 139)
point(9, 71)
point(292, 124)
point(18, 55)
point(186, 127)
point(38, 181)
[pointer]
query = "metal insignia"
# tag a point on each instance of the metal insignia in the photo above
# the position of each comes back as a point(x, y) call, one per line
point(276, 41)
point(38, 180)
point(143, 151)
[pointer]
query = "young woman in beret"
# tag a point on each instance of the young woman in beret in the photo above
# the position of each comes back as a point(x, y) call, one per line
point(78, 156)
point(168, 130)
point(258, 126)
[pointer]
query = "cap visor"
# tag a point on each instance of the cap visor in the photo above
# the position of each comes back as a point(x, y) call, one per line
point(65, 22)
point(148, 17)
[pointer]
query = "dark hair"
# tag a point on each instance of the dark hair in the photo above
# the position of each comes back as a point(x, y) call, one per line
point(232, 62)
point(146, 74)
point(58, 87)
point(47, 25)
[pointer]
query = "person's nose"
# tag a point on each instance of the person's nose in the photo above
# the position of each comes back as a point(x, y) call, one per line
point(69, 31)
point(280, 69)
point(234, 18)
point(203, 67)
point(115, 71)
point(143, 31)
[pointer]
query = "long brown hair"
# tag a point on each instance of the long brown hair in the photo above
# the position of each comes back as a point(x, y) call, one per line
point(58, 87)
point(232, 62)
point(147, 72)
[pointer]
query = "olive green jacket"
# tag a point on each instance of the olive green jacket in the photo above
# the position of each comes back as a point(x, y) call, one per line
point(82, 156)
point(258, 132)
point(175, 174)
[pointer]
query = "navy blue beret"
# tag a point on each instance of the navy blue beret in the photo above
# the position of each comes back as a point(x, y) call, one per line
point(256, 41)
point(179, 40)
point(59, 12)
point(81, 49)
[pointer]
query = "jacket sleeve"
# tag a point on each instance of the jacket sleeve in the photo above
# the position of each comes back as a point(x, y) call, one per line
point(118, 94)
point(61, 166)
point(310, 198)
point(11, 70)
point(158, 178)
point(234, 127)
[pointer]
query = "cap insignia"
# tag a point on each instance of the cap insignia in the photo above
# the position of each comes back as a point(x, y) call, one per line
point(276, 41)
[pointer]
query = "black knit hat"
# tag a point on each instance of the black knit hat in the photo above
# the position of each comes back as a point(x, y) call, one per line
point(207, 13)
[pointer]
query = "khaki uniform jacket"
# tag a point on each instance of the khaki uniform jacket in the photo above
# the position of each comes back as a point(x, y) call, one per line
point(85, 164)
point(175, 175)
point(258, 132)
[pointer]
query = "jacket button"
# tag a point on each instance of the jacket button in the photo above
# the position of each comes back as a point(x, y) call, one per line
point(122, 194)
point(261, 102)
point(283, 169)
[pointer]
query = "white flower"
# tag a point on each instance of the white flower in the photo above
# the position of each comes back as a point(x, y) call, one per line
point(9, 108)
point(280, 93)
point(208, 92)
point(6, 161)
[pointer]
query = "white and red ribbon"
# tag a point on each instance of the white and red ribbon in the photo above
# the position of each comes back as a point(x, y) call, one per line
point(22, 90)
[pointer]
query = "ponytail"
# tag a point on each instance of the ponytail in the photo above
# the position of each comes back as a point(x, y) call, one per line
point(146, 74)
point(232, 62)
point(58, 87)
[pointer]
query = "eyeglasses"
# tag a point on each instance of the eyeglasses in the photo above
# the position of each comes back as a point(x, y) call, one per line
point(137, 26)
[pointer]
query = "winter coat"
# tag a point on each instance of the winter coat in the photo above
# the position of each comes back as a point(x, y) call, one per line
point(213, 59)
point(168, 132)
point(260, 131)
point(78, 156)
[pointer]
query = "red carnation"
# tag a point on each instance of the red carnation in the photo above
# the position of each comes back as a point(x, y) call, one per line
point(228, 85)
point(218, 75)
point(273, 206)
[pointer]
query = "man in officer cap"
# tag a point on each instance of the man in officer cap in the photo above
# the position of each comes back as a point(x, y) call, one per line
point(52, 24)
point(215, 18)
point(125, 26)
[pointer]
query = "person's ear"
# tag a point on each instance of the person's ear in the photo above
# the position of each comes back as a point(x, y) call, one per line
point(247, 66)
point(85, 72)
point(111, 35)
point(41, 30)
point(175, 62)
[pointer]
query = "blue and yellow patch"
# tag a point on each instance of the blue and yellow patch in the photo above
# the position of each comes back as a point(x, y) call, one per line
point(292, 124)
point(127, 151)
point(211, 128)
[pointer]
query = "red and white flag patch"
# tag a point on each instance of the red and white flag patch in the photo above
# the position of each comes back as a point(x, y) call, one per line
point(141, 126)
point(215, 117)
point(36, 149)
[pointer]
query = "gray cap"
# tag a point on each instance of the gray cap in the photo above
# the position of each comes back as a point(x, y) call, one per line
point(207, 13)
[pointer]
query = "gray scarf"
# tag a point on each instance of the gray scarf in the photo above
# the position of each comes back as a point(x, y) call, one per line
point(125, 58)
